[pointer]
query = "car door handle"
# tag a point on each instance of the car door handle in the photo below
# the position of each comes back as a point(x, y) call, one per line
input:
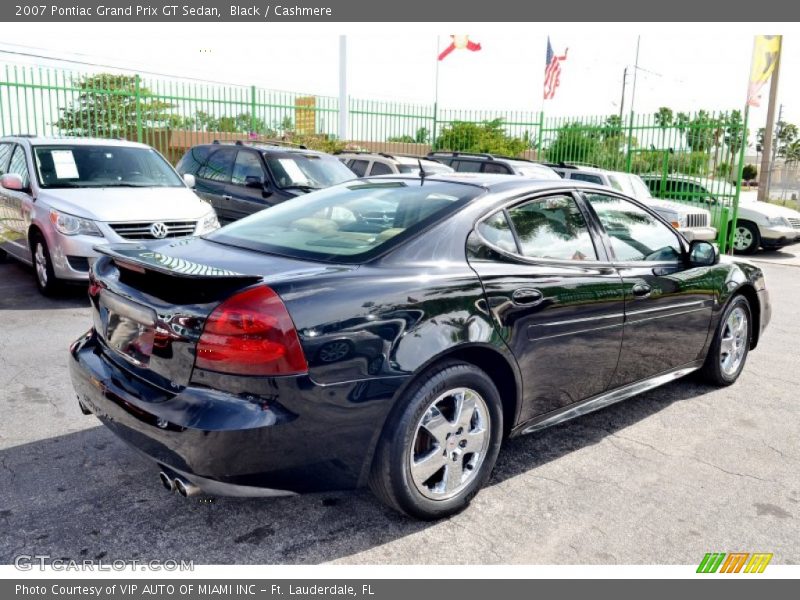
point(227, 197)
point(641, 290)
point(527, 296)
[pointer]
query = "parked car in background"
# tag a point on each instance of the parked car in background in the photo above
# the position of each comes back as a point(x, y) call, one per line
point(60, 197)
point(241, 178)
point(309, 348)
point(367, 164)
point(758, 224)
point(692, 222)
point(466, 162)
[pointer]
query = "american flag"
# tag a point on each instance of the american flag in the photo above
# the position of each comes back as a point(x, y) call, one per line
point(552, 71)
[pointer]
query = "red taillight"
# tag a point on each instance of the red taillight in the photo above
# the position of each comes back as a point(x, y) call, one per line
point(251, 333)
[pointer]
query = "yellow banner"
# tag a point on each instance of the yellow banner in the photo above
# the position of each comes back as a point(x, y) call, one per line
point(766, 50)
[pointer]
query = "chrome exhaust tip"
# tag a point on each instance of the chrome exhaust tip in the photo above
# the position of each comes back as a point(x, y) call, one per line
point(167, 481)
point(185, 488)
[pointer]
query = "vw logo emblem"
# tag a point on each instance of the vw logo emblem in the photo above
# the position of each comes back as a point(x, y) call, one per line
point(158, 230)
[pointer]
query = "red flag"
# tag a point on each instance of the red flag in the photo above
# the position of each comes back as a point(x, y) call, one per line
point(460, 42)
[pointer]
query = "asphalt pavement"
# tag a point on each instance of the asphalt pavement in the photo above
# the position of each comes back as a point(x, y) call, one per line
point(659, 479)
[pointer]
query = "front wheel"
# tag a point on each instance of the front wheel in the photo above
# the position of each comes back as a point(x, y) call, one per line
point(43, 266)
point(746, 238)
point(439, 448)
point(731, 343)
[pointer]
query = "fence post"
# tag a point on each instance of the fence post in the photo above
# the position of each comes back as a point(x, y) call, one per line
point(252, 109)
point(433, 135)
point(540, 136)
point(138, 108)
point(629, 159)
point(739, 173)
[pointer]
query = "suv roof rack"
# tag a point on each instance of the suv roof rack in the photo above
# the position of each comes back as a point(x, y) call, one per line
point(572, 165)
point(456, 153)
point(261, 143)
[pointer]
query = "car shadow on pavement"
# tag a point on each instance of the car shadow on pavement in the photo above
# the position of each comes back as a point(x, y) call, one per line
point(86, 495)
point(18, 291)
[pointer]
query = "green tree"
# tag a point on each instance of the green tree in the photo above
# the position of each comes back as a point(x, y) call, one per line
point(487, 136)
point(576, 142)
point(107, 107)
point(664, 118)
point(749, 172)
point(734, 136)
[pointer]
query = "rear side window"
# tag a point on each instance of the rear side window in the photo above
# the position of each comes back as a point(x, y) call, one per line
point(496, 168)
point(379, 168)
point(193, 160)
point(466, 166)
point(497, 232)
point(587, 177)
point(350, 222)
point(5, 154)
point(553, 228)
point(219, 165)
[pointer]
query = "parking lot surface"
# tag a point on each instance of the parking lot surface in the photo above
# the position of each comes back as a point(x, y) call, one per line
point(662, 478)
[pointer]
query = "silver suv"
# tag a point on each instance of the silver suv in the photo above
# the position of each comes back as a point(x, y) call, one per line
point(368, 164)
point(693, 222)
point(60, 197)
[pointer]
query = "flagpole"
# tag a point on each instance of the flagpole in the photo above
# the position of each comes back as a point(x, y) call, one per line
point(435, 97)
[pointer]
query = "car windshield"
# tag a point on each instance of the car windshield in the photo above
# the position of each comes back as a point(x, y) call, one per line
point(537, 171)
point(84, 166)
point(307, 171)
point(349, 222)
point(640, 189)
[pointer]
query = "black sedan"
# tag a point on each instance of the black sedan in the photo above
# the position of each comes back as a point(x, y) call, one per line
point(313, 346)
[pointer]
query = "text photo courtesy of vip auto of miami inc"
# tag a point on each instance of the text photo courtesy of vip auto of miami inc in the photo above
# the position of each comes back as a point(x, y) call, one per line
point(516, 301)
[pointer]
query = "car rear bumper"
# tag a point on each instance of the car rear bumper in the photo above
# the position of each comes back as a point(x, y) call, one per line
point(776, 237)
point(302, 437)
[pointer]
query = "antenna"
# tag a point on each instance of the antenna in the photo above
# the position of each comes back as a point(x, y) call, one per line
point(421, 172)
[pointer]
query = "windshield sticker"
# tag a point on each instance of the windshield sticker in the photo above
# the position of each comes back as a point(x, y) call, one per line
point(293, 170)
point(64, 163)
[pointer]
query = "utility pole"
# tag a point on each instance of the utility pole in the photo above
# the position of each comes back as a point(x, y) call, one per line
point(767, 150)
point(622, 100)
point(773, 153)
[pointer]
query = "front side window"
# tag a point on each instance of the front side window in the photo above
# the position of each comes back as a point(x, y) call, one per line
point(307, 171)
point(553, 228)
point(5, 154)
point(102, 166)
point(247, 164)
point(466, 166)
point(19, 166)
point(635, 234)
point(496, 168)
point(359, 167)
point(379, 168)
point(349, 222)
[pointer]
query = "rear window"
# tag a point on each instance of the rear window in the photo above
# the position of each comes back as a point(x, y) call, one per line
point(351, 222)
point(193, 160)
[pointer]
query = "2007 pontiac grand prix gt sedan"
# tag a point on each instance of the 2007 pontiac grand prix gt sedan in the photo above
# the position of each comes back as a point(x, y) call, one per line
point(393, 331)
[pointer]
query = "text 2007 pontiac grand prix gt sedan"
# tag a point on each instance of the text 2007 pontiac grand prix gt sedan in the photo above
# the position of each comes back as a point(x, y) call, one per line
point(392, 331)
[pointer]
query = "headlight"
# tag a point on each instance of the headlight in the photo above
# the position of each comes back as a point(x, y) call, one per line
point(70, 225)
point(778, 222)
point(208, 223)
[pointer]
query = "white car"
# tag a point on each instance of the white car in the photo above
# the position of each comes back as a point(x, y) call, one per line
point(693, 222)
point(758, 224)
point(369, 164)
point(60, 197)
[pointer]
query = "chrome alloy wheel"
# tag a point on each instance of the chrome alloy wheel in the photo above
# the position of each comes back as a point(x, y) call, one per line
point(742, 239)
point(40, 261)
point(734, 341)
point(450, 443)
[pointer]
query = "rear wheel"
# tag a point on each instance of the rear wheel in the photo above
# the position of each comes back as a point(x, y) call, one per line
point(729, 349)
point(43, 266)
point(439, 449)
point(746, 238)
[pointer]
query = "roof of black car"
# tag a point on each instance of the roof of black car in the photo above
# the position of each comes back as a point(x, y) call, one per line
point(268, 146)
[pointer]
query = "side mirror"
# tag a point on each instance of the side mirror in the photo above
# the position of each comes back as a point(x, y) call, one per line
point(703, 253)
point(189, 180)
point(13, 182)
point(254, 181)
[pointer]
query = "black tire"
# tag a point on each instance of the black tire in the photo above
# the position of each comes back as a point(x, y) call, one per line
point(46, 280)
point(748, 234)
point(391, 476)
point(713, 371)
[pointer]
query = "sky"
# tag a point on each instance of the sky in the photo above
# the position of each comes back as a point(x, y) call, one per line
point(684, 66)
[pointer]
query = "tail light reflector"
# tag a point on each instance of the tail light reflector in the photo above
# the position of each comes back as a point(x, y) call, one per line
point(251, 333)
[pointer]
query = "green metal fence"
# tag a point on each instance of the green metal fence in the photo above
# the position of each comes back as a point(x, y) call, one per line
point(686, 157)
